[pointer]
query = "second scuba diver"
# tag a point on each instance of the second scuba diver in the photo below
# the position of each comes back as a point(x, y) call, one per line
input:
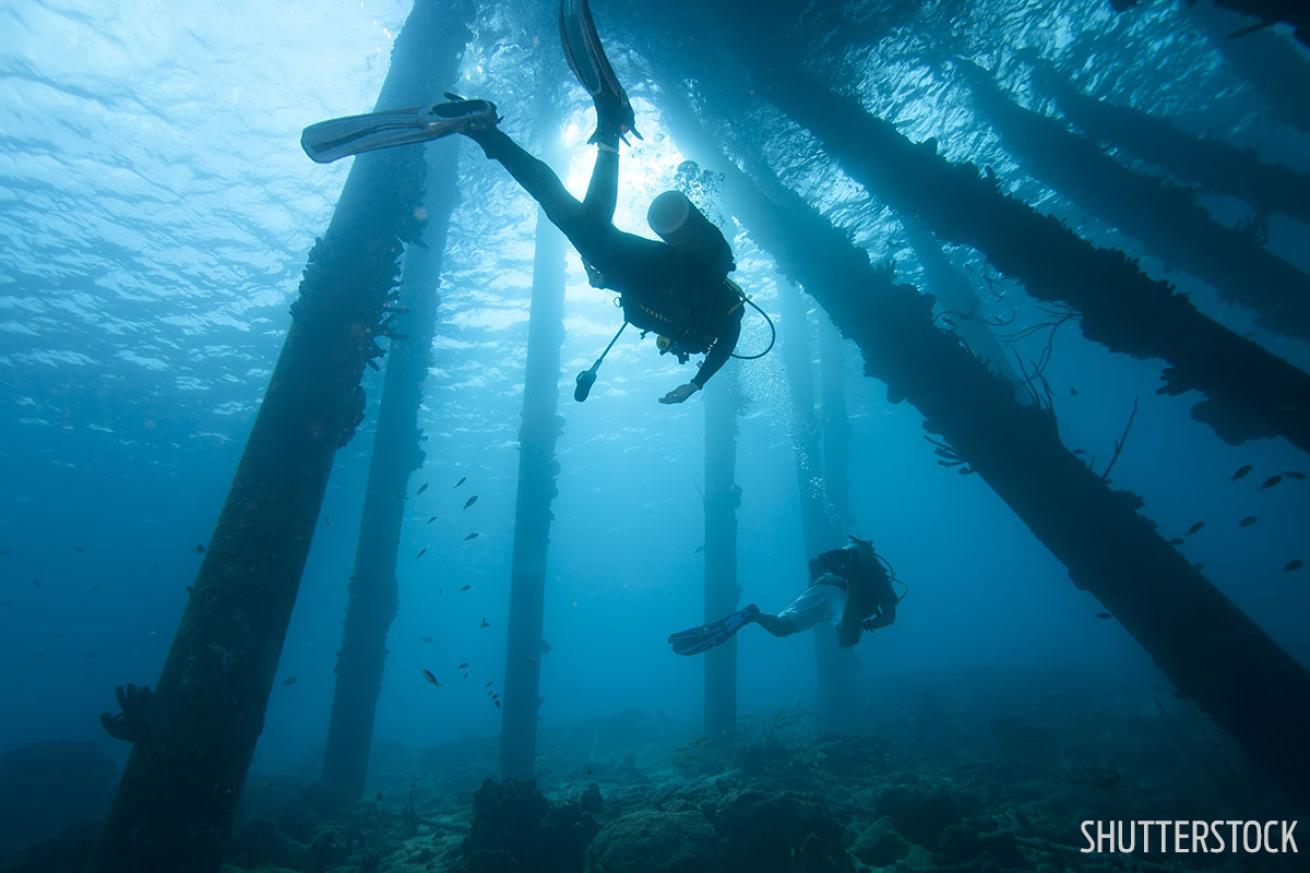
point(678, 288)
point(850, 589)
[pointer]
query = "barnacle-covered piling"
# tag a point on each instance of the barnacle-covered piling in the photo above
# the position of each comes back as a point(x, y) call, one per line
point(176, 801)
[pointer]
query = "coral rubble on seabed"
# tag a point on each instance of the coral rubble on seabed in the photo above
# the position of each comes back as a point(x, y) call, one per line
point(940, 789)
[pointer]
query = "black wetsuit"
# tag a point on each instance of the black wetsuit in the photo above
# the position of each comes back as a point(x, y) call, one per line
point(662, 289)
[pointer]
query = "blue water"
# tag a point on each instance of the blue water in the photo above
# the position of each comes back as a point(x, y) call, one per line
point(155, 215)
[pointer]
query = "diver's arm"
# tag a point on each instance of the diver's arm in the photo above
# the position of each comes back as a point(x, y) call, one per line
point(719, 352)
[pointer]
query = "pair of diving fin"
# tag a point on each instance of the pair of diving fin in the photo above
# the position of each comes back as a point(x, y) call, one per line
point(586, 57)
point(696, 640)
point(337, 138)
point(331, 140)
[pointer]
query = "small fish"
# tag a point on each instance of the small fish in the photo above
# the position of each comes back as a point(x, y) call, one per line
point(465, 587)
point(191, 589)
point(588, 771)
point(472, 536)
point(463, 666)
point(1104, 615)
point(461, 481)
point(3, 552)
point(698, 550)
point(427, 639)
point(485, 623)
point(199, 550)
point(327, 522)
point(421, 552)
point(488, 684)
point(1270, 482)
point(1196, 527)
point(497, 702)
point(1242, 471)
point(289, 681)
point(1291, 474)
point(1073, 392)
point(432, 519)
point(79, 549)
point(432, 680)
point(36, 583)
point(1176, 541)
point(4, 603)
point(421, 488)
point(1293, 566)
point(466, 675)
point(1248, 521)
point(472, 500)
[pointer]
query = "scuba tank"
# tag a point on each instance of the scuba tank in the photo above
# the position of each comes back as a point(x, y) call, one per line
point(679, 223)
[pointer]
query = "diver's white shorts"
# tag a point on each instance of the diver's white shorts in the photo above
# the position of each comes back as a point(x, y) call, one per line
point(819, 604)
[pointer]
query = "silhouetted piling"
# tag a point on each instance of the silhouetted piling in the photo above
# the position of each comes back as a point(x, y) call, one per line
point(538, 433)
point(1165, 218)
point(176, 800)
point(1208, 648)
point(1250, 392)
point(723, 403)
point(820, 525)
point(373, 590)
point(958, 305)
point(835, 424)
point(835, 441)
point(1263, 13)
point(1213, 163)
point(1264, 60)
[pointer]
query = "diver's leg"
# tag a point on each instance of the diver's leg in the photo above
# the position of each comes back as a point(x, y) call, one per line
point(603, 189)
point(538, 179)
point(779, 627)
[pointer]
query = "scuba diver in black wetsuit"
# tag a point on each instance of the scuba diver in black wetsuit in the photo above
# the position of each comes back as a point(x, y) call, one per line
point(679, 289)
point(850, 589)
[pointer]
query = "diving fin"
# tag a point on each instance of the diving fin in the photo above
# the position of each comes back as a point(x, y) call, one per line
point(696, 640)
point(586, 57)
point(328, 141)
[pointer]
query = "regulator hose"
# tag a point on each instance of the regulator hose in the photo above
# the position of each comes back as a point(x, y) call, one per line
point(773, 333)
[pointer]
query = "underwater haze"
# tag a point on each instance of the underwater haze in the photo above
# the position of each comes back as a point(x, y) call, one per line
point(1039, 273)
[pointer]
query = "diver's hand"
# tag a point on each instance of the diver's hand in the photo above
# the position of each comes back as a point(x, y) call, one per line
point(681, 393)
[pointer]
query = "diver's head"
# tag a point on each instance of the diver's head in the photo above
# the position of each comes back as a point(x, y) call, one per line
point(679, 223)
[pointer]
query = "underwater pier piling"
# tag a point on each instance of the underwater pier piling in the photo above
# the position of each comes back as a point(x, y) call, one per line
point(1164, 218)
point(1250, 392)
point(820, 526)
point(1271, 65)
point(1219, 166)
point(834, 424)
point(539, 433)
point(1211, 651)
point(957, 299)
point(373, 589)
point(723, 404)
point(1295, 13)
point(176, 800)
